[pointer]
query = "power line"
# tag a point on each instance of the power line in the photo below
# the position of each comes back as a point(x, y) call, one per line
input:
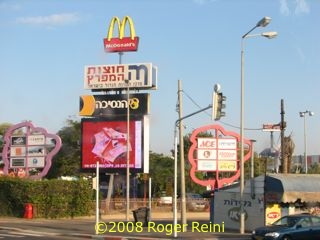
point(209, 114)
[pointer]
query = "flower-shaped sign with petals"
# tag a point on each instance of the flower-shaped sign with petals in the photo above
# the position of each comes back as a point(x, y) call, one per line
point(215, 151)
point(28, 150)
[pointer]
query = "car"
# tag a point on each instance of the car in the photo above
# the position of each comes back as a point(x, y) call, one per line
point(165, 200)
point(290, 227)
point(195, 202)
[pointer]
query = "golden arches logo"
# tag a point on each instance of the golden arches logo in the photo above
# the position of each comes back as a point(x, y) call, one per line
point(121, 27)
point(121, 43)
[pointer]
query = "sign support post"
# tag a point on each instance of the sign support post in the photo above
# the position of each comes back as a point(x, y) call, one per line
point(97, 197)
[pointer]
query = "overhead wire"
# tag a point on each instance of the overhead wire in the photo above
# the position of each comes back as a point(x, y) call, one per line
point(228, 124)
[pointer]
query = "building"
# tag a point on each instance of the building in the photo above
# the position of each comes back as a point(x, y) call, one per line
point(267, 198)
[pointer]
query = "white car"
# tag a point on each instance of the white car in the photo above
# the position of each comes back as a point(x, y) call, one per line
point(195, 202)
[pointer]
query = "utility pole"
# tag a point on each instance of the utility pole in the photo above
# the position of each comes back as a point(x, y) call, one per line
point(282, 129)
point(182, 165)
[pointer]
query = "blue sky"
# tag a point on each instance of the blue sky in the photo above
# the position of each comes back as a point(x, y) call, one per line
point(45, 45)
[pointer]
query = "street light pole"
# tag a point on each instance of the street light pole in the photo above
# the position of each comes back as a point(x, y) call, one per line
point(262, 23)
point(303, 114)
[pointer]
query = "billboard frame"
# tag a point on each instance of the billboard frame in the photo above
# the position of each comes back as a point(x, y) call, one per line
point(144, 144)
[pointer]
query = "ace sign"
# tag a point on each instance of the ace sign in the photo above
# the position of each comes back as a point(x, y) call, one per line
point(216, 153)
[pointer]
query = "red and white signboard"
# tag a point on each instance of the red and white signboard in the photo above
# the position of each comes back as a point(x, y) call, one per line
point(220, 149)
point(121, 43)
point(216, 154)
point(36, 139)
point(138, 76)
point(271, 127)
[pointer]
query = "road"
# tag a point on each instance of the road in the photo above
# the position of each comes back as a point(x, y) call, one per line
point(13, 228)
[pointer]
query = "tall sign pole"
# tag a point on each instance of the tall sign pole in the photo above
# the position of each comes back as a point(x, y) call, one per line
point(119, 78)
point(128, 153)
point(123, 44)
point(97, 196)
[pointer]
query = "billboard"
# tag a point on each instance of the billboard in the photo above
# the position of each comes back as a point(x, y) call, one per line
point(216, 154)
point(29, 150)
point(105, 140)
point(114, 104)
point(120, 76)
point(121, 43)
point(221, 151)
point(271, 127)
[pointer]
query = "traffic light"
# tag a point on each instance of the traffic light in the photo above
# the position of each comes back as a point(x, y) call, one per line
point(217, 105)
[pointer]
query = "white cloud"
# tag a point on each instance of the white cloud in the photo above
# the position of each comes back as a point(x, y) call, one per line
point(301, 54)
point(284, 9)
point(299, 6)
point(202, 2)
point(51, 20)
point(9, 7)
point(302, 7)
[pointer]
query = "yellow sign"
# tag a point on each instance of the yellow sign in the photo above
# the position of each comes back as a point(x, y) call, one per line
point(273, 213)
point(227, 166)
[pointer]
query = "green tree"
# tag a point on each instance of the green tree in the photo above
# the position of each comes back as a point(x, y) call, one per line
point(191, 186)
point(67, 161)
point(161, 172)
point(314, 169)
point(3, 129)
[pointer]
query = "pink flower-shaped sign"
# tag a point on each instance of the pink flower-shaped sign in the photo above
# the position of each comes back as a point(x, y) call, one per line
point(28, 150)
point(216, 154)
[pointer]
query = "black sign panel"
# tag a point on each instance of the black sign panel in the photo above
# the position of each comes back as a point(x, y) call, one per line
point(18, 140)
point(114, 104)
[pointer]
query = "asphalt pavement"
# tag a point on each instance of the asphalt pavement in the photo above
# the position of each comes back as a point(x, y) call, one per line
point(114, 227)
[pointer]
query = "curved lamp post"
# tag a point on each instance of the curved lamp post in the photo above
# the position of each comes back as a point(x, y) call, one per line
point(304, 114)
point(262, 23)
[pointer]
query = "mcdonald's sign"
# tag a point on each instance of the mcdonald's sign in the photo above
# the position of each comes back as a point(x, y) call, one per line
point(121, 43)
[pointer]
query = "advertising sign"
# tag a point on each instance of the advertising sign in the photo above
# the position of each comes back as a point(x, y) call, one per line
point(17, 162)
point(271, 127)
point(105, 140)
point(33, 148)
point(205, 165)
point(18, 140)
point(273, 213)
point(36, 162)
point(114, 104)
point(222, 149)
point(36, 139)
point(120, 76)
point(17, 151)
point(216, 154)
point(121, 43)
point(227, 166)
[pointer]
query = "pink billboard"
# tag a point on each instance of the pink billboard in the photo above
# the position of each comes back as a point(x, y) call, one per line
point(106, 141)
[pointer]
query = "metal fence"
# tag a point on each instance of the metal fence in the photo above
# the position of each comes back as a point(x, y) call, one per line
point(119, 205)
point(114, 206)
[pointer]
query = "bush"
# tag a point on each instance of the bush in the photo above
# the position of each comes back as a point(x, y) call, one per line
point(50, 198)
